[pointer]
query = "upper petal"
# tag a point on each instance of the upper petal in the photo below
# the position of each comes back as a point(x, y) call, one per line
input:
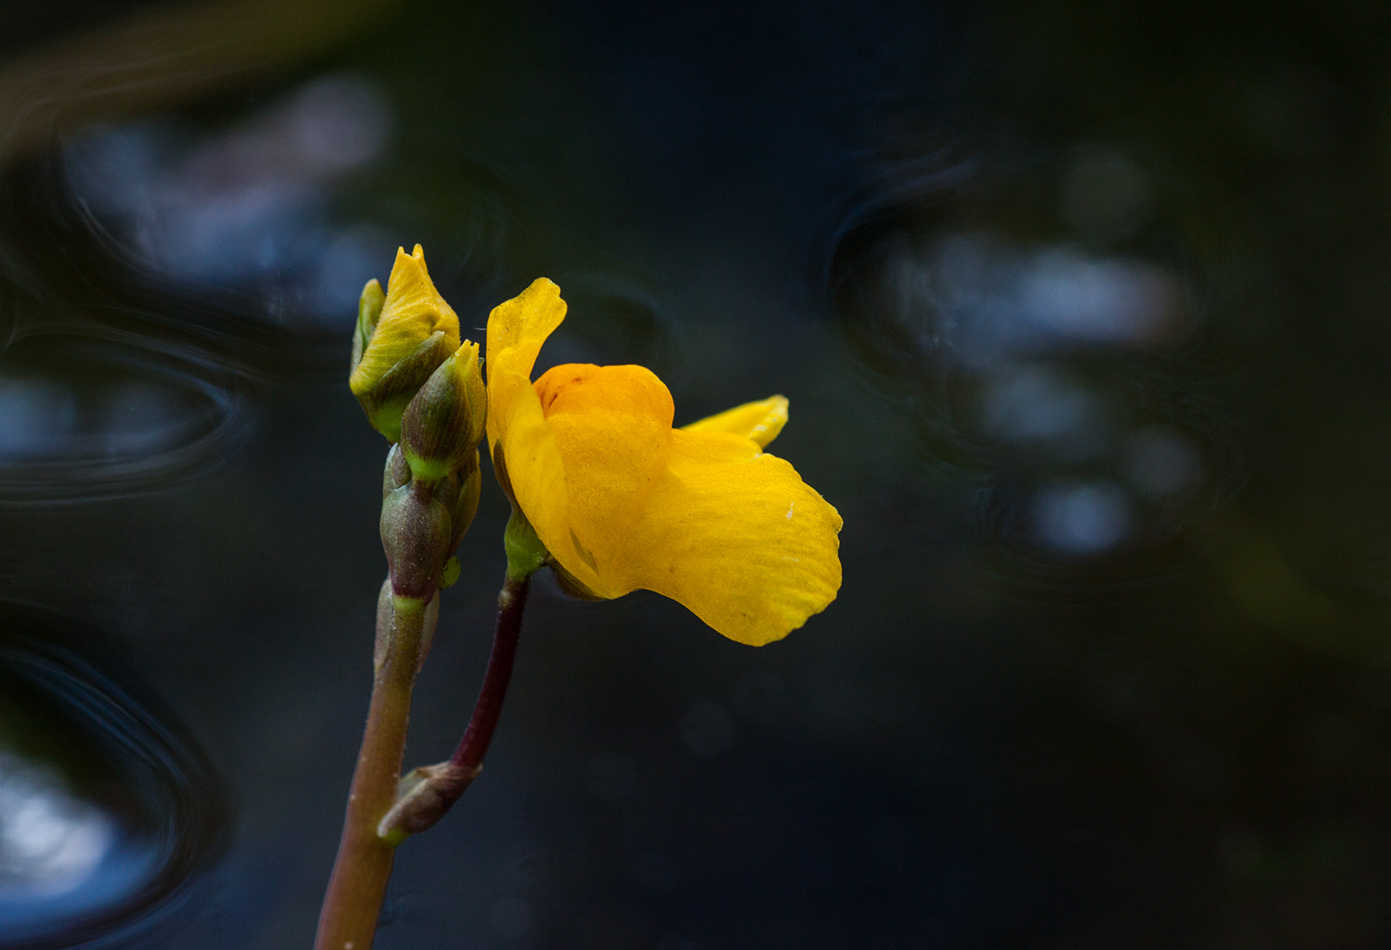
point(517, 328)
point(737, 537)
point(760, 421)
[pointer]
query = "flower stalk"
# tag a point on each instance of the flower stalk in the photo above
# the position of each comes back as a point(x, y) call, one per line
point(353, 902)
point(423, 390)
point(428, 792)
point(511, 602)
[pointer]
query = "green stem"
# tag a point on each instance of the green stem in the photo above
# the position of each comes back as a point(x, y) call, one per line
point(353, 903)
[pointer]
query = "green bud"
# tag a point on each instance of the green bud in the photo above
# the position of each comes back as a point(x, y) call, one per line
point(444, 423)
point(451, 572)
point(416, 533)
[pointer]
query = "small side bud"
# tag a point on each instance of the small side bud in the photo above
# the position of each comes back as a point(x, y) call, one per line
point(444, 423)
point(451, 572)
point(423, 797)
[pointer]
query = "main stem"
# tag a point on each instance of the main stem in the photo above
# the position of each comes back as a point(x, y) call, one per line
point(353, 903)
point(511, 601)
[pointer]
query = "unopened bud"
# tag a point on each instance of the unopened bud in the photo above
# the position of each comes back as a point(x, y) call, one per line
point(422, 798)
point(416, 534)
point(399, 341)
point(386, 400)
point(444, 423)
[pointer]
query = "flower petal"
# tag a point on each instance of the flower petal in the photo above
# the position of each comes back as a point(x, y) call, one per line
point(737, 537)
point(613, 428)
point(517, 328)
point(413, 311)
point(760, 421)
point(522, 446)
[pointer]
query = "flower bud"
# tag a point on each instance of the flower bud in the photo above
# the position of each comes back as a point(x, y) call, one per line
point(416, 534)
point(423, 796)
point(444, 423)
point(399, 342)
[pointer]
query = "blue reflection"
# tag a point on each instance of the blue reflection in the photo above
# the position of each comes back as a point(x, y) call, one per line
point(1082, 518)
point(1034, 404)
point(979, 297)
point(50, 840)
point(248, 207)
point(61, 857)
point(108, 419)
point(107, 811)
point(37, 418)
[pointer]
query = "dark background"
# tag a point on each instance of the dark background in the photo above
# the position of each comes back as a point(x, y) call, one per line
point(1082, 309)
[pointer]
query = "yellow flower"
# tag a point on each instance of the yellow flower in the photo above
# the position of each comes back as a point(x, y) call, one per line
point(400, 341)
point(623, 501)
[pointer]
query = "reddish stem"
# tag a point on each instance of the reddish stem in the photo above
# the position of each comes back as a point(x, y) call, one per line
point(510, 602)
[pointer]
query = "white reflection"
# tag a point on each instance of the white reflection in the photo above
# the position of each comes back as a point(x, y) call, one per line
point(248, 206)
point(1036, 404)
point(37, 418)
point(50, 841)
point(1107, 300)
point(1081, 517)
point(979, 297)
point(1163, 461)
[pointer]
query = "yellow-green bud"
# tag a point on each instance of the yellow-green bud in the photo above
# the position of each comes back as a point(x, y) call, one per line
point(444, 423)
point(386, 402)
point(401, 338)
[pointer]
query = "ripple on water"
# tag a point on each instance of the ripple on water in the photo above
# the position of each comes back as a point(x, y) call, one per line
point(81, 419)
point(108, 810)
point(1049, 322)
